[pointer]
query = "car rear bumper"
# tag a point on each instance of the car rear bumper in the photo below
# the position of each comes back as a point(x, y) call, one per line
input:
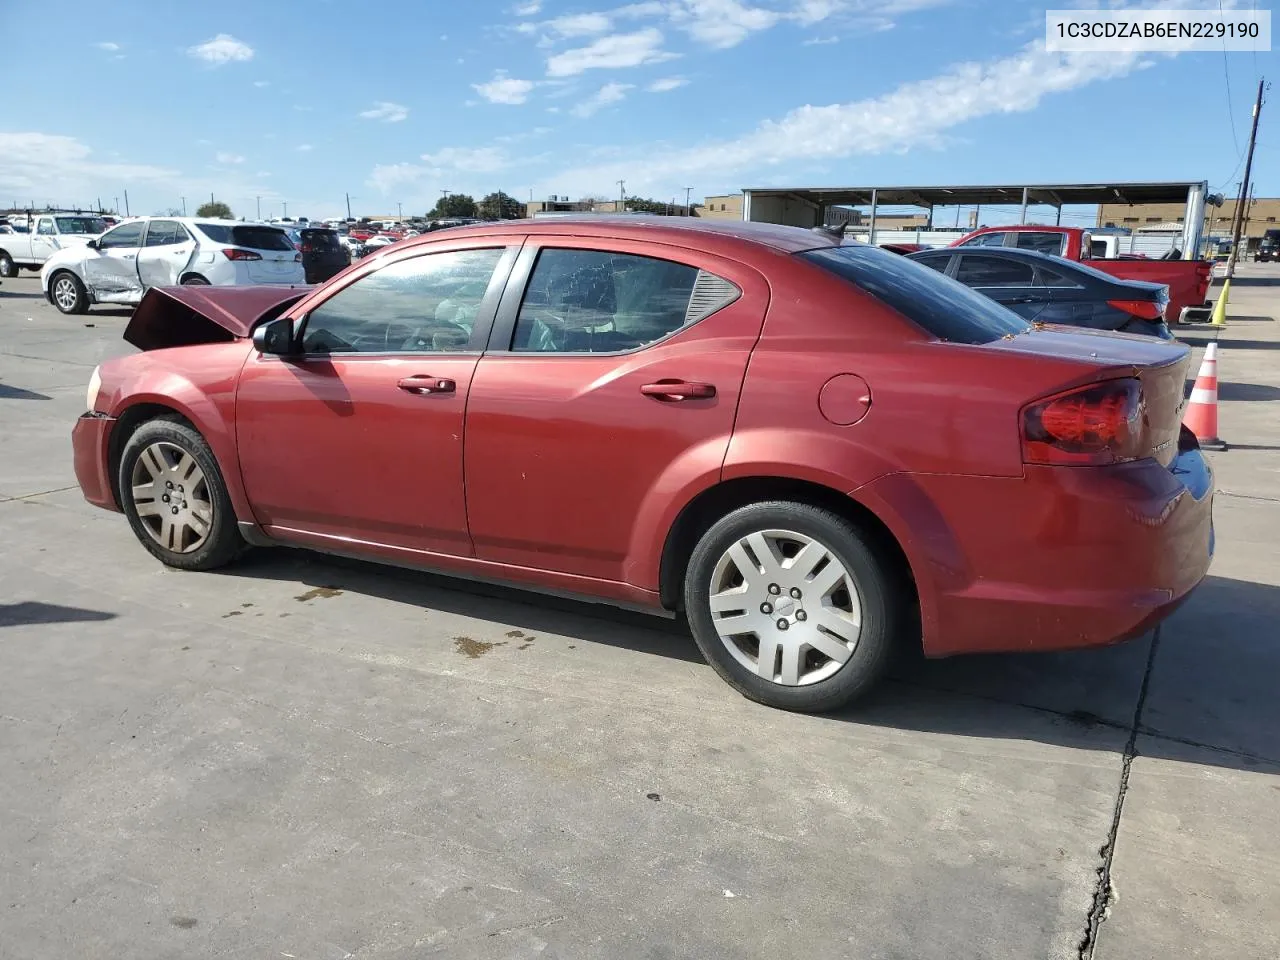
point(1063, 557)
point(90, 439)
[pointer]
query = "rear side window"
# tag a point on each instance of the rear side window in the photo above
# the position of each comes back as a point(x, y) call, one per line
point(255, 238)
point(979, 271)
point(937, 304)
point(592, 301)
point(1050, 243)
point(986, 240)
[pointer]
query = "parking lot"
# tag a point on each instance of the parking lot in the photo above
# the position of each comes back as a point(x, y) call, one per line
point(311, 758)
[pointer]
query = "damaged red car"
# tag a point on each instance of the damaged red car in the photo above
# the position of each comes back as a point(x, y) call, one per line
point(818, 452)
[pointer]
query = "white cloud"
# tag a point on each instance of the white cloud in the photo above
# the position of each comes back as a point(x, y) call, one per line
point(223, 48)
point(504, 89)
point(580, 24)
point(609, 93)
point(48, 165)
point(305, 148)
point(820, 41)
point(386, 111)
point(108, 46)
point(722, 23)
point(262, 83)
point(666, 83)
point(224, 157)
point(447, 161)
point(912, 115)
point(616, 50)
point(527, 9)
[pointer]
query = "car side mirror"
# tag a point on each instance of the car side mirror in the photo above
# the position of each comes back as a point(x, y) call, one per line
point(275, 337)
point(92, 244)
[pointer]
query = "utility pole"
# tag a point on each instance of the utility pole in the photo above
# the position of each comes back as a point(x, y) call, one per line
point(348, 206)
point(399, 210)
point(211, 200)
point(259, 200)
point(622, 196)
point(116, 208)
point(688, 193)
point(184, 206)
point(126, 203)
point(284, 205)
point(1244, 186)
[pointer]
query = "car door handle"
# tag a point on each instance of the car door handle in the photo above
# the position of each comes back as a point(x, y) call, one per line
point(425, 384)
point(673, 390)
point(129, 256)
point(1022, 300)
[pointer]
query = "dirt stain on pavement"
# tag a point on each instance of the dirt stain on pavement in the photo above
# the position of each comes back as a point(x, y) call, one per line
point(186, 923)
point(516, 634)
point(318, 592)
point(473, 649)
point(233, 613)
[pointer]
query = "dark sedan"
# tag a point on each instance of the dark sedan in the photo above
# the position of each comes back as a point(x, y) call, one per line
point(1046, 289)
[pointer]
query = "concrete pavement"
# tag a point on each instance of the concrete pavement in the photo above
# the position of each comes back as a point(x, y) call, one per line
point(305, 757)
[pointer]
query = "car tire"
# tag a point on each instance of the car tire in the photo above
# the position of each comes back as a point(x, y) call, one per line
point(8, 269)
point(157, 459)
point(195, 280)
point(861, 598)
point(68, 293)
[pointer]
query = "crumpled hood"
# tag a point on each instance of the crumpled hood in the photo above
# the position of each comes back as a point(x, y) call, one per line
point(183, 316)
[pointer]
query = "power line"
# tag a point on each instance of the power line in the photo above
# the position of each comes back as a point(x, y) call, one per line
point(1226, 75)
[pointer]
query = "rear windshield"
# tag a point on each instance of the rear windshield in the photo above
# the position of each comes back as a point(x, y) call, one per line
point(321, 239)
point(81, 225)
point(255, 238)
point(941, 306)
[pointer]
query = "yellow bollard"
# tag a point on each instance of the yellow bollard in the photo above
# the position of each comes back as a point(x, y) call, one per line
point(1220, 308)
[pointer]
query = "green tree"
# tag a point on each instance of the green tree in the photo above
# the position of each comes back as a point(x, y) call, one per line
point(454, 205)
point(170, 212)
point(501, 206)
point(215, 209)
point(647, 205)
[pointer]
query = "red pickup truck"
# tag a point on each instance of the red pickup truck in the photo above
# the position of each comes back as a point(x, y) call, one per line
point(1187, 280)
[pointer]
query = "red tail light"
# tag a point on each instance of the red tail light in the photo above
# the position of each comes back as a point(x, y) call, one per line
point(1142, 309)
point(1092, 425)
point(306, 247)
point(231, 253)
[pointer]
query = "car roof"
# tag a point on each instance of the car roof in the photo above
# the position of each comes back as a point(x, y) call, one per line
point(1041, 227)
point(713, 235)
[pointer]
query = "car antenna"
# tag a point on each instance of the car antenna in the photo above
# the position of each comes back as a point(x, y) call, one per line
point(834, 231)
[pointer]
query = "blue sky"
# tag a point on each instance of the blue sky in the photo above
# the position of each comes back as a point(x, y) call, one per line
point(395, 101)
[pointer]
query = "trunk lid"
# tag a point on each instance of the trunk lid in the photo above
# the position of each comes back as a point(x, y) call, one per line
point(1160, 366)
point(183, 316)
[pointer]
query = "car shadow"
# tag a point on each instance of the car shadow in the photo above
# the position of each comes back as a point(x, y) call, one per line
point(32, 611)
point(1204, 341)
point(18, 393)
point(1219, 707)
point(110, 312)
point(1248, 391)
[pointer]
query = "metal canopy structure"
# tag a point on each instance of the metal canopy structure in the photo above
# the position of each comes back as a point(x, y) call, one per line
point(808, 206)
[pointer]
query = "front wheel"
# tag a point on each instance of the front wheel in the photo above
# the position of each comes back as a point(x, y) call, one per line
point(792, 606)
point(69, 294)
point(174, 496)
point(8, 269)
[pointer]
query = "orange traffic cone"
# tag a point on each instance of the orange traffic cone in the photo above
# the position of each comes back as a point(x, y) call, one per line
point(1202, 412)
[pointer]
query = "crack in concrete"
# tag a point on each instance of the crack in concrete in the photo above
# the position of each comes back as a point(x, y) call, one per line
point(1247, 496)
point(42, 493)
point(1104, 893)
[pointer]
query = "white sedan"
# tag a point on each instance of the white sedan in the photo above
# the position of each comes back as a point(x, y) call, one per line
point(126, 261)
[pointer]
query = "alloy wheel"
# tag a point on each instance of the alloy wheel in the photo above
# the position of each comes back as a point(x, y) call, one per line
point(65, 293)
point(171, 497)
point(785, 607)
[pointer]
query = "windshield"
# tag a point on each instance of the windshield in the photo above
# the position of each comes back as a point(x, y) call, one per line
point(941, 306)
point(255, 238)
point(94, 225)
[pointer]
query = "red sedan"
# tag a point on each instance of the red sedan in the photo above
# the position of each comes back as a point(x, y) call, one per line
point(816, 451)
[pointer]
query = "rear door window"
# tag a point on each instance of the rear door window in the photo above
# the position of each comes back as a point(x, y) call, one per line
point(594, 301)
point(986, 240)
point(978, 271)
point(164, 233)
point(940, 306)
point(1040, 241)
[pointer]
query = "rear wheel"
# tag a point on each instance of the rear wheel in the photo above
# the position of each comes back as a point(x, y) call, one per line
point(195, 280)
point(7, 267)
point(69, 294)
point(175, 498)
point(792, 606)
